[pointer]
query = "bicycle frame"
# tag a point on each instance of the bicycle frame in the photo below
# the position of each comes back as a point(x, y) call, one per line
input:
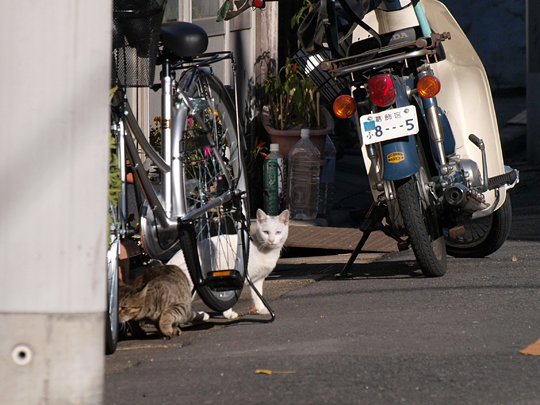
point(169, 209)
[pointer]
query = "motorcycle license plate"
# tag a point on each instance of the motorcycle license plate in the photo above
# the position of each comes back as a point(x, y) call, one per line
point(389, 124)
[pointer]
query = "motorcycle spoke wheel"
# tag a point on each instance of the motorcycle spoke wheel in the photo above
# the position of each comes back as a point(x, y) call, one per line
point(482, 236)
point(423, 229)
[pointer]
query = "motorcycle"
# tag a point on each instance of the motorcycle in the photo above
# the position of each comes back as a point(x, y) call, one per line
point(415, 87)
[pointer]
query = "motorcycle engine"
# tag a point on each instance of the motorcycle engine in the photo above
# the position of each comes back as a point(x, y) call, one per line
point(462, 187)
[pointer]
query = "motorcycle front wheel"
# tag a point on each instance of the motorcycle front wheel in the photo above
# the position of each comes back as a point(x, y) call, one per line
point(422, 226)
point(482, 236)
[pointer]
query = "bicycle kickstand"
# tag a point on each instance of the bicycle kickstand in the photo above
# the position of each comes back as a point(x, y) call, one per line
point(266, 304)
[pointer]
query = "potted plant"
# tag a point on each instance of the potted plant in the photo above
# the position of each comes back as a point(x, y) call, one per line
point(292, 103)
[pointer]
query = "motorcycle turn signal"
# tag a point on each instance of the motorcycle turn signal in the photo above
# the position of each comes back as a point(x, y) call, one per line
point(344, 106)
point(428, 86)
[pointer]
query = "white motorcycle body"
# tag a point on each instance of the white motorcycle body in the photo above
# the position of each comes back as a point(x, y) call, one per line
point(465, 94)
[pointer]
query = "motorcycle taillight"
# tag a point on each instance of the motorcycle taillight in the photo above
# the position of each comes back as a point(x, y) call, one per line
point(382, 91)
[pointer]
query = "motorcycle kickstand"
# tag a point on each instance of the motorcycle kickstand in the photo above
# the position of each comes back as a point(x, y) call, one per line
point(372, 222)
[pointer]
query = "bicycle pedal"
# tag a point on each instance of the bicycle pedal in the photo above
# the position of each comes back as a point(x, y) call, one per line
point(224, 280)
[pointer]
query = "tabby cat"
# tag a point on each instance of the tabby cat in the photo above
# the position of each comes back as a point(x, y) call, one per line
point(161, 295)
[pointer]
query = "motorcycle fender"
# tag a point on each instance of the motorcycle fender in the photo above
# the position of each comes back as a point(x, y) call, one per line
point(467, 98)
point(400, 158)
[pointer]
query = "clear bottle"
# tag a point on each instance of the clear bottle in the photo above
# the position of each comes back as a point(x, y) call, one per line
point(304, 169)
point(328, 175)
point(273, 181)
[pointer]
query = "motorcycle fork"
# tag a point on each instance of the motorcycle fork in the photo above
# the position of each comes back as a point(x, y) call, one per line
point(435, 127)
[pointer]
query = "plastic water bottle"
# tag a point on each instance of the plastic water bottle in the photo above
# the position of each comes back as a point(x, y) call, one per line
point(328, 174)
point(273, 181)
point(304, 168)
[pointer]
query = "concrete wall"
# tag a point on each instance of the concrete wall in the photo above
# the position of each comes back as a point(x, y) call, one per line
point(54, 137)
point(496, 28)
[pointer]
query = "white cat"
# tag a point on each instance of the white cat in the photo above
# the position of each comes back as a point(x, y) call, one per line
point(270, 235)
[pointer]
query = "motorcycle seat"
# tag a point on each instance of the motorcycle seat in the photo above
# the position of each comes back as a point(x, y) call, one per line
point(388, 40)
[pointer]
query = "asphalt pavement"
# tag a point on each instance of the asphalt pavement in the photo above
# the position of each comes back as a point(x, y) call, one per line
point(387, 335)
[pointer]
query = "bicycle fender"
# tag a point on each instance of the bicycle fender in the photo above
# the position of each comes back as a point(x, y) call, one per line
point(400, 158)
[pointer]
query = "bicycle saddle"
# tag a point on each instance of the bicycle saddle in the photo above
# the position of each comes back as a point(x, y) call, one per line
point(184, 39)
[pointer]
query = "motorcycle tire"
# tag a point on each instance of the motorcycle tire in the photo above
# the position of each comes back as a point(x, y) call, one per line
point(483, 236)
point(422, 225)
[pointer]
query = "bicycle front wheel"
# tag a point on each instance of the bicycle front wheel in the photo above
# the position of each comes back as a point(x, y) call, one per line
point(111, 317)
point(215, 242)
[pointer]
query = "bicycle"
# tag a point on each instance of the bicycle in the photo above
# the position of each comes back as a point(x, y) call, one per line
point(199, 200)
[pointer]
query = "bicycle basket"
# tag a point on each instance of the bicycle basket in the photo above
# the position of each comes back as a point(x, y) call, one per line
point(328, 87)
point(136, 26)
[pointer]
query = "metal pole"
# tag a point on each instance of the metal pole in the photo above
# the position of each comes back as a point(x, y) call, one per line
point(53, 176)
point(533, 81)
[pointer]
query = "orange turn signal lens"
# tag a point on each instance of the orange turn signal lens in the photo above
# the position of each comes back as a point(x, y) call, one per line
point(344, 106)
point(428, 86)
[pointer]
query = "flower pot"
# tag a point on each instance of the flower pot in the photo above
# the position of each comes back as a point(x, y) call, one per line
point(288, 138)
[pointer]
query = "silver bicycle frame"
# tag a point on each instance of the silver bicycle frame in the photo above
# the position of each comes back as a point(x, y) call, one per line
point(170, 207)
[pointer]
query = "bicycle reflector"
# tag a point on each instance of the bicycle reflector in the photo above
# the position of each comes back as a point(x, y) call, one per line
point(382, 91)
point(258, 3)
point(344, 106)
point(428, 86)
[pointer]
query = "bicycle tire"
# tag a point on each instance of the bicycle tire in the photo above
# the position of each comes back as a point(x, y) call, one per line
point(423, 228)
point(218, 239)
point(111, 316)
point(112, 325)
point(483, 236)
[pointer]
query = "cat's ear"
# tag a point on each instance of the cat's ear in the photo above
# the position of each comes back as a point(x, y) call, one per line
point(141, 294)
point(261, 215)
point(284, 217)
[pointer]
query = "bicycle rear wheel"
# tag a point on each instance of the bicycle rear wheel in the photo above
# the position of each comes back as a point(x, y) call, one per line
point(216, 241)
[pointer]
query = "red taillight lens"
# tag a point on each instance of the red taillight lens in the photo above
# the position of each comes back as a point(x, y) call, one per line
point(382, 91)
point(258, 3)
point(428, 86)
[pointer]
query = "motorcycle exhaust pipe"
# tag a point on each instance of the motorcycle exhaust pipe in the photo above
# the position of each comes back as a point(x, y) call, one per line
point(456, 195)
point(460, 196)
